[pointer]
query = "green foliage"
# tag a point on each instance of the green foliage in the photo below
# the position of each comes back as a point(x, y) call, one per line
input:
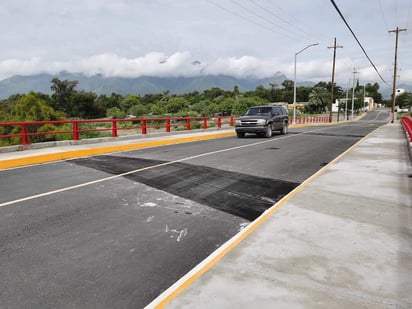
point(159, 108)
point(115, 112)
point(130, 101)
point(66, 102)
point(373, 91)
point(138, 110)
point(404, 100)
point(318, 100)
point(176, 104)
point(241, 106)
point(32, 108)
point(62, 95)
point(187, 113)
point(85, 107)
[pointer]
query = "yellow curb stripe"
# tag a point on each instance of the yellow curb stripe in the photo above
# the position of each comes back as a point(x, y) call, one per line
point(43, 158)
point(233, 242)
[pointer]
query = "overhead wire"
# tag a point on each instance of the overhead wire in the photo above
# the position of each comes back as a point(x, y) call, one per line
point(241, 16)
point(359, 43)
point(263, 18)
point(284, 20)
point(383, 15)
point(286, 32)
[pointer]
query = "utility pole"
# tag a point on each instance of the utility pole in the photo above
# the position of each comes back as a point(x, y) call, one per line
point(346, 101)
point(353, 90)
point(333, 79)
point(397, 30)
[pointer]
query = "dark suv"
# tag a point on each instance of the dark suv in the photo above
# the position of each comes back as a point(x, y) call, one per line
point(263, 120)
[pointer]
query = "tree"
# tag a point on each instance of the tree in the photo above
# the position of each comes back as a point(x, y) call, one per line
point(318, 100)
point(176, 104)
point(262, 93)
point(32, 108)
point(129, 101)
point(241, 106)
point(373, 91)
point(201, 107)
point(115, 112)
point(63, 92)
point(213, 93)
point(85, 107)
point(137, 110)
point(404, 100)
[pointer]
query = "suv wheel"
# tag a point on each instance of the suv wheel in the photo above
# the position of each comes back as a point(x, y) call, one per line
point(240, 134)
point(284, 129)
point(268, 132)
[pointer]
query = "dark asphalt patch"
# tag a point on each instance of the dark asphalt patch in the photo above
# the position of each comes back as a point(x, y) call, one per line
point(238, 194)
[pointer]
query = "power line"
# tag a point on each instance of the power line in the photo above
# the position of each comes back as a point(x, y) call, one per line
point(251, 20)
point(409, 11)
point(281, 18)
point(350, 29)
point(241, 16)
point(383, 15)
point(261, 17)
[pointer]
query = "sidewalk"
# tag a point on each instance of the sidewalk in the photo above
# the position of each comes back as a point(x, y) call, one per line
point(343, 239)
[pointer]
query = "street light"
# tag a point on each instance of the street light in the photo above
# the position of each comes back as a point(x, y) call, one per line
point(294, 82)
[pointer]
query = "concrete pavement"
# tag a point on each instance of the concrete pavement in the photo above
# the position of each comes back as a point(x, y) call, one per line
point(343, 239)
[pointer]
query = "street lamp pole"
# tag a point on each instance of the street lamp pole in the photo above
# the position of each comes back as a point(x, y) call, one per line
point(294, 81)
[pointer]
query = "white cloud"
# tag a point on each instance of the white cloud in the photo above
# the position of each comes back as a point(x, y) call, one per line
point(151, 64)
point(12, 67)
point(184, 64)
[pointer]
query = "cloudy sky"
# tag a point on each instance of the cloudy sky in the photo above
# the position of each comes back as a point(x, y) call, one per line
point(130, 38)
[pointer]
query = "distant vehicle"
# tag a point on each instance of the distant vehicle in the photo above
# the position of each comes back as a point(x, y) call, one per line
point(263, 120)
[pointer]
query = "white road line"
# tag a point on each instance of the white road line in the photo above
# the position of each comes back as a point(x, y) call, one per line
point(147, 168)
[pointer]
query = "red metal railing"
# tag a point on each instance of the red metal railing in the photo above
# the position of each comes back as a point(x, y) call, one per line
point(406, 122)
point(28, 131)
point(314, 119)
point(76, 128)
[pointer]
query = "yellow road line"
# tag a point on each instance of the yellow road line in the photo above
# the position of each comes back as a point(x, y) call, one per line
point(85, 152)
point(70, 154)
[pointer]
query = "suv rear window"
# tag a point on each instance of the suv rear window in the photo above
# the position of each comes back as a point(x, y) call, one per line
point(265, 110)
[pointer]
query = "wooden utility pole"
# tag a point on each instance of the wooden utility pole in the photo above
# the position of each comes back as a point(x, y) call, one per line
point(353, 92)
point(397, 30)
point(333, 78)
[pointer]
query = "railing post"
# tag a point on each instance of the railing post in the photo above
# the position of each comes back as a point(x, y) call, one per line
point(205, 123)
point(188, 124)
point(144, 126)
point(168, 125)
point(232, 121)
point(114, 128)
point(219, 122)
point(24, 137)
point(75, 134)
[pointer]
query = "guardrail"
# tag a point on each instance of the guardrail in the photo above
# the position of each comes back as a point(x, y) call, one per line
point(406, 122)
point(28, 132)
point(314, 119)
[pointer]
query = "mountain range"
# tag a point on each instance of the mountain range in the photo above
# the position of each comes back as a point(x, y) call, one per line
point(139, 85)
point(100, 84)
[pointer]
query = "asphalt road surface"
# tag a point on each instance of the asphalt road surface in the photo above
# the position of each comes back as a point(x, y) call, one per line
point(114, 231)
